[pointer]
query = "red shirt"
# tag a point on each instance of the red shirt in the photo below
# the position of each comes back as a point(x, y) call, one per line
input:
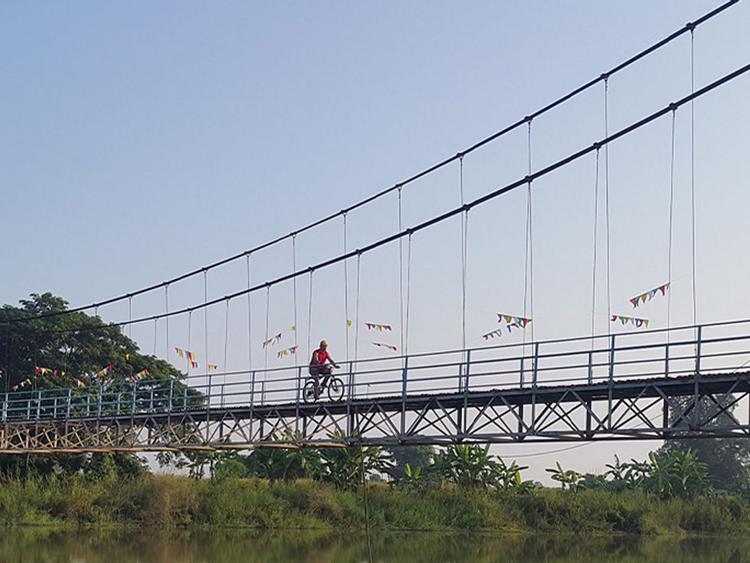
point(320, 357)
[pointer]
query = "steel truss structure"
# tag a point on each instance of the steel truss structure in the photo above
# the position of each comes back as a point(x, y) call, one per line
point(653, 409)
point(660, 384)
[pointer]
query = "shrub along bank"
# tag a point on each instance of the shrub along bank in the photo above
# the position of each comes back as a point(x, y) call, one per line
point(167, 501)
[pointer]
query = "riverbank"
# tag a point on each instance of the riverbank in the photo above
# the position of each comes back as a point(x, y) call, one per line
point(167, 501)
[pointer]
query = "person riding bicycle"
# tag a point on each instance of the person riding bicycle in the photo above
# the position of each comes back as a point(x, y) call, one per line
point(321, 361)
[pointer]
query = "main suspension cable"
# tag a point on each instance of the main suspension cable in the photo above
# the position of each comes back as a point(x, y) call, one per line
point(689, 27)
point(453, 212)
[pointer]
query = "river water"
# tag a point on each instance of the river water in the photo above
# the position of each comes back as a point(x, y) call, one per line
point(47, 546)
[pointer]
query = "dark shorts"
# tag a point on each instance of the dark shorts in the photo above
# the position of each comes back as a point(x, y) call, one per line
point(320, 370)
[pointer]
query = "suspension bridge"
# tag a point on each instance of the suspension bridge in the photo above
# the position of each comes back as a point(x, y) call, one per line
point(659, 383)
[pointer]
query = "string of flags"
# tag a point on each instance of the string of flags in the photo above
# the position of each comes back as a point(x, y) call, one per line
point(378, 327)
point(181, 352)
point(520, 322)
point(84, 379)
point(495, 333)
point(271, 341)
point(383, 345)
point(143, 374)
point(104, 371)
point(649, 295)
point(630, 320)
point(21, 384)
point(212, 367)
point(286, 352)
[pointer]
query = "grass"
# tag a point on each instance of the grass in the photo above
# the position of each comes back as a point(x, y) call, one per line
point(167, 502)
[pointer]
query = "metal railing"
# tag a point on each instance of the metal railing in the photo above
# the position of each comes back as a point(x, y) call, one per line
point(663, 353)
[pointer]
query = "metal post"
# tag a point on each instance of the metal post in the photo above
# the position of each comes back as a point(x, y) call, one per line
point(252, 401)
point(296, 403)
point(5, 408)
point(404, 379)
point(666, 360)
point(299, 388)
point(611, 381)
point(132, 410)
point(350, 395)
point(612, 359)
point(70, 400)
point(523, 368)
point(38, 405)
point(171, 395)
point(99, 404)
point(534, 382)
point(698, 346)
point(351, 391)
point(462, 428)
point(151, 401)
point(697, 377)
point(591, 367)
point(54, 409)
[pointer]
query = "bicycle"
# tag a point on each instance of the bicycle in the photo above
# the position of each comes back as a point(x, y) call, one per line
point(314, 388)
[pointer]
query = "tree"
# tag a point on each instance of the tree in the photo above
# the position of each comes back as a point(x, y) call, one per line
point(73, 346)
point(568, 479)
point(412, 456)
point(348, 467)
point(727, 459)
point(284, 464)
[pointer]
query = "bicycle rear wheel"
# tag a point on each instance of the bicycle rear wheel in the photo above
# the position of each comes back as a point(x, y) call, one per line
point(309, 394)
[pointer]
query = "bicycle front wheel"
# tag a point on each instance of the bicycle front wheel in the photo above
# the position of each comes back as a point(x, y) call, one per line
point(335, 389)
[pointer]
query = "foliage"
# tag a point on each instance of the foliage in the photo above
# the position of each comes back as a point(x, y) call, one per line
point(284, 463)
point(75, 344)
point(163, 501)
point(727, 460)
point(568, 479)
point(666, 475)
point(413, 456)
point(472, 466)
point(348, 468)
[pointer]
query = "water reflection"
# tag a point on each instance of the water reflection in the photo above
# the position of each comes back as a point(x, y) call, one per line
point(48, 546)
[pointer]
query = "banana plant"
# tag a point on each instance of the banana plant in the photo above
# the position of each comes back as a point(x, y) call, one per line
point(567, 478)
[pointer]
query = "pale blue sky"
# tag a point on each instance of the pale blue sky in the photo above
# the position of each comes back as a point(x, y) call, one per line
point(141, 140)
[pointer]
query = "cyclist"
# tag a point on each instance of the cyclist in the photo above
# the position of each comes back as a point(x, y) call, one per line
point(321, 362)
